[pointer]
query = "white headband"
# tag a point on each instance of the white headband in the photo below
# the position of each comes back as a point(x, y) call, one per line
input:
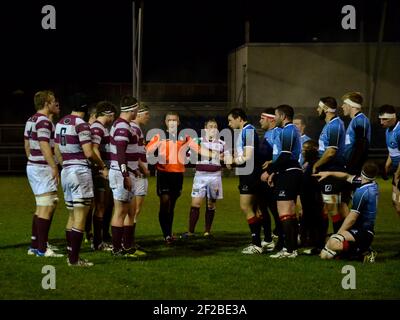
point(107, 113)
point(267, 115)
point(129, 108)
point(352, 103)
point(324, 106)
point(387, 116)
point(366, 177)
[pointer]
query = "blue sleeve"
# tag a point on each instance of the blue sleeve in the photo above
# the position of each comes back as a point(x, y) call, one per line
point(397, 135)
point(284, 158)
point(333, 133)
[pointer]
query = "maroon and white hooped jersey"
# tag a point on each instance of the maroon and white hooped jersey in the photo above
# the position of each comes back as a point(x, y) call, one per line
point(121, 131)
point(38, 128)
point(210, 165)
point(71, 134)
point(141, 142)
point(101, 137)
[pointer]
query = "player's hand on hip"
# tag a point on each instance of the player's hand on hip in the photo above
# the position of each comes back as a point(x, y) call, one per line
point(127, 183)
point(266, 164)
point(146, 173)
point(105, 172)
point(264, 177)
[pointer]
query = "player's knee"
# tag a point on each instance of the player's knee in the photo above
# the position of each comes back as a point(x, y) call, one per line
point(50, 200)
point(245, 207)
point(335, 242)
point(327, 253)
point(69, 205)
point(82, 203)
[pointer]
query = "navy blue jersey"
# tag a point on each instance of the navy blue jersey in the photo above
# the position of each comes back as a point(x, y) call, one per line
point(393, 144)
point(266, 146)
point(249, 138)
point(333, 136)
point(303, 139)
point(365, 204)
point(288, 149)
point(357, 141)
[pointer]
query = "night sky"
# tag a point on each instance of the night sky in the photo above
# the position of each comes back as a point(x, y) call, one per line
point(184, 41)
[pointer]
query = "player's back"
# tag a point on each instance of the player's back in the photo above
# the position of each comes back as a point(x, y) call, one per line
point(359, 128)
point(333, 135)
point(393, 144)
point(101, 136)
point(71, 133)
point(365, 201)
point(291, 136)
point(121, 132)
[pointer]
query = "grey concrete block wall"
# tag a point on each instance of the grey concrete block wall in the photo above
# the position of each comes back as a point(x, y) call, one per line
point(298, 74)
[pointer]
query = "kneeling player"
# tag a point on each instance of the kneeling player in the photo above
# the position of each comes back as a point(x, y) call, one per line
point(207, 181)
point(357, 231)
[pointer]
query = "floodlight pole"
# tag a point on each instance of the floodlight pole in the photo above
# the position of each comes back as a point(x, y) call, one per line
point(139, 64)
point(134, 71)
point(377, 58)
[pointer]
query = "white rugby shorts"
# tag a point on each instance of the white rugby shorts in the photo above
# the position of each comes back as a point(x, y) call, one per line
point(207, 185)
point(117, 186)
point(40, 179)
point(77, 183)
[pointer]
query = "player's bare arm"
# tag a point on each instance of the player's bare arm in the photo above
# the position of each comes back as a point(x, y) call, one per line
point(337, 174)
point(96, 150)
point(143, 169)
point(247, 154)
point(58, 154)
point(27, 148)
point(348, 222)
point(92, 156)
point(266, 164)
point(326, 157)
point(388, 164)
point(48, 155)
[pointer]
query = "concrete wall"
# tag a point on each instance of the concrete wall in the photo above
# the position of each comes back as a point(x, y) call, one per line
point(298, 74)
point(237, 82)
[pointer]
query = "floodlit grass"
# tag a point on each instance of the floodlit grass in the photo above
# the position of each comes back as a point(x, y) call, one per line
point(197, 269)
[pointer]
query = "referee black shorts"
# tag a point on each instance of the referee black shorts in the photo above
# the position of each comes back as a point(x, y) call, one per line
point(169, 183)
point(287, 184)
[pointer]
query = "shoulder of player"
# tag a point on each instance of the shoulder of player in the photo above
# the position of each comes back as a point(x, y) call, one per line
point(97, 125)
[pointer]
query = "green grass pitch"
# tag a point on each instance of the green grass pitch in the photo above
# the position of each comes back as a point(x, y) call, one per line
point(195, 270)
